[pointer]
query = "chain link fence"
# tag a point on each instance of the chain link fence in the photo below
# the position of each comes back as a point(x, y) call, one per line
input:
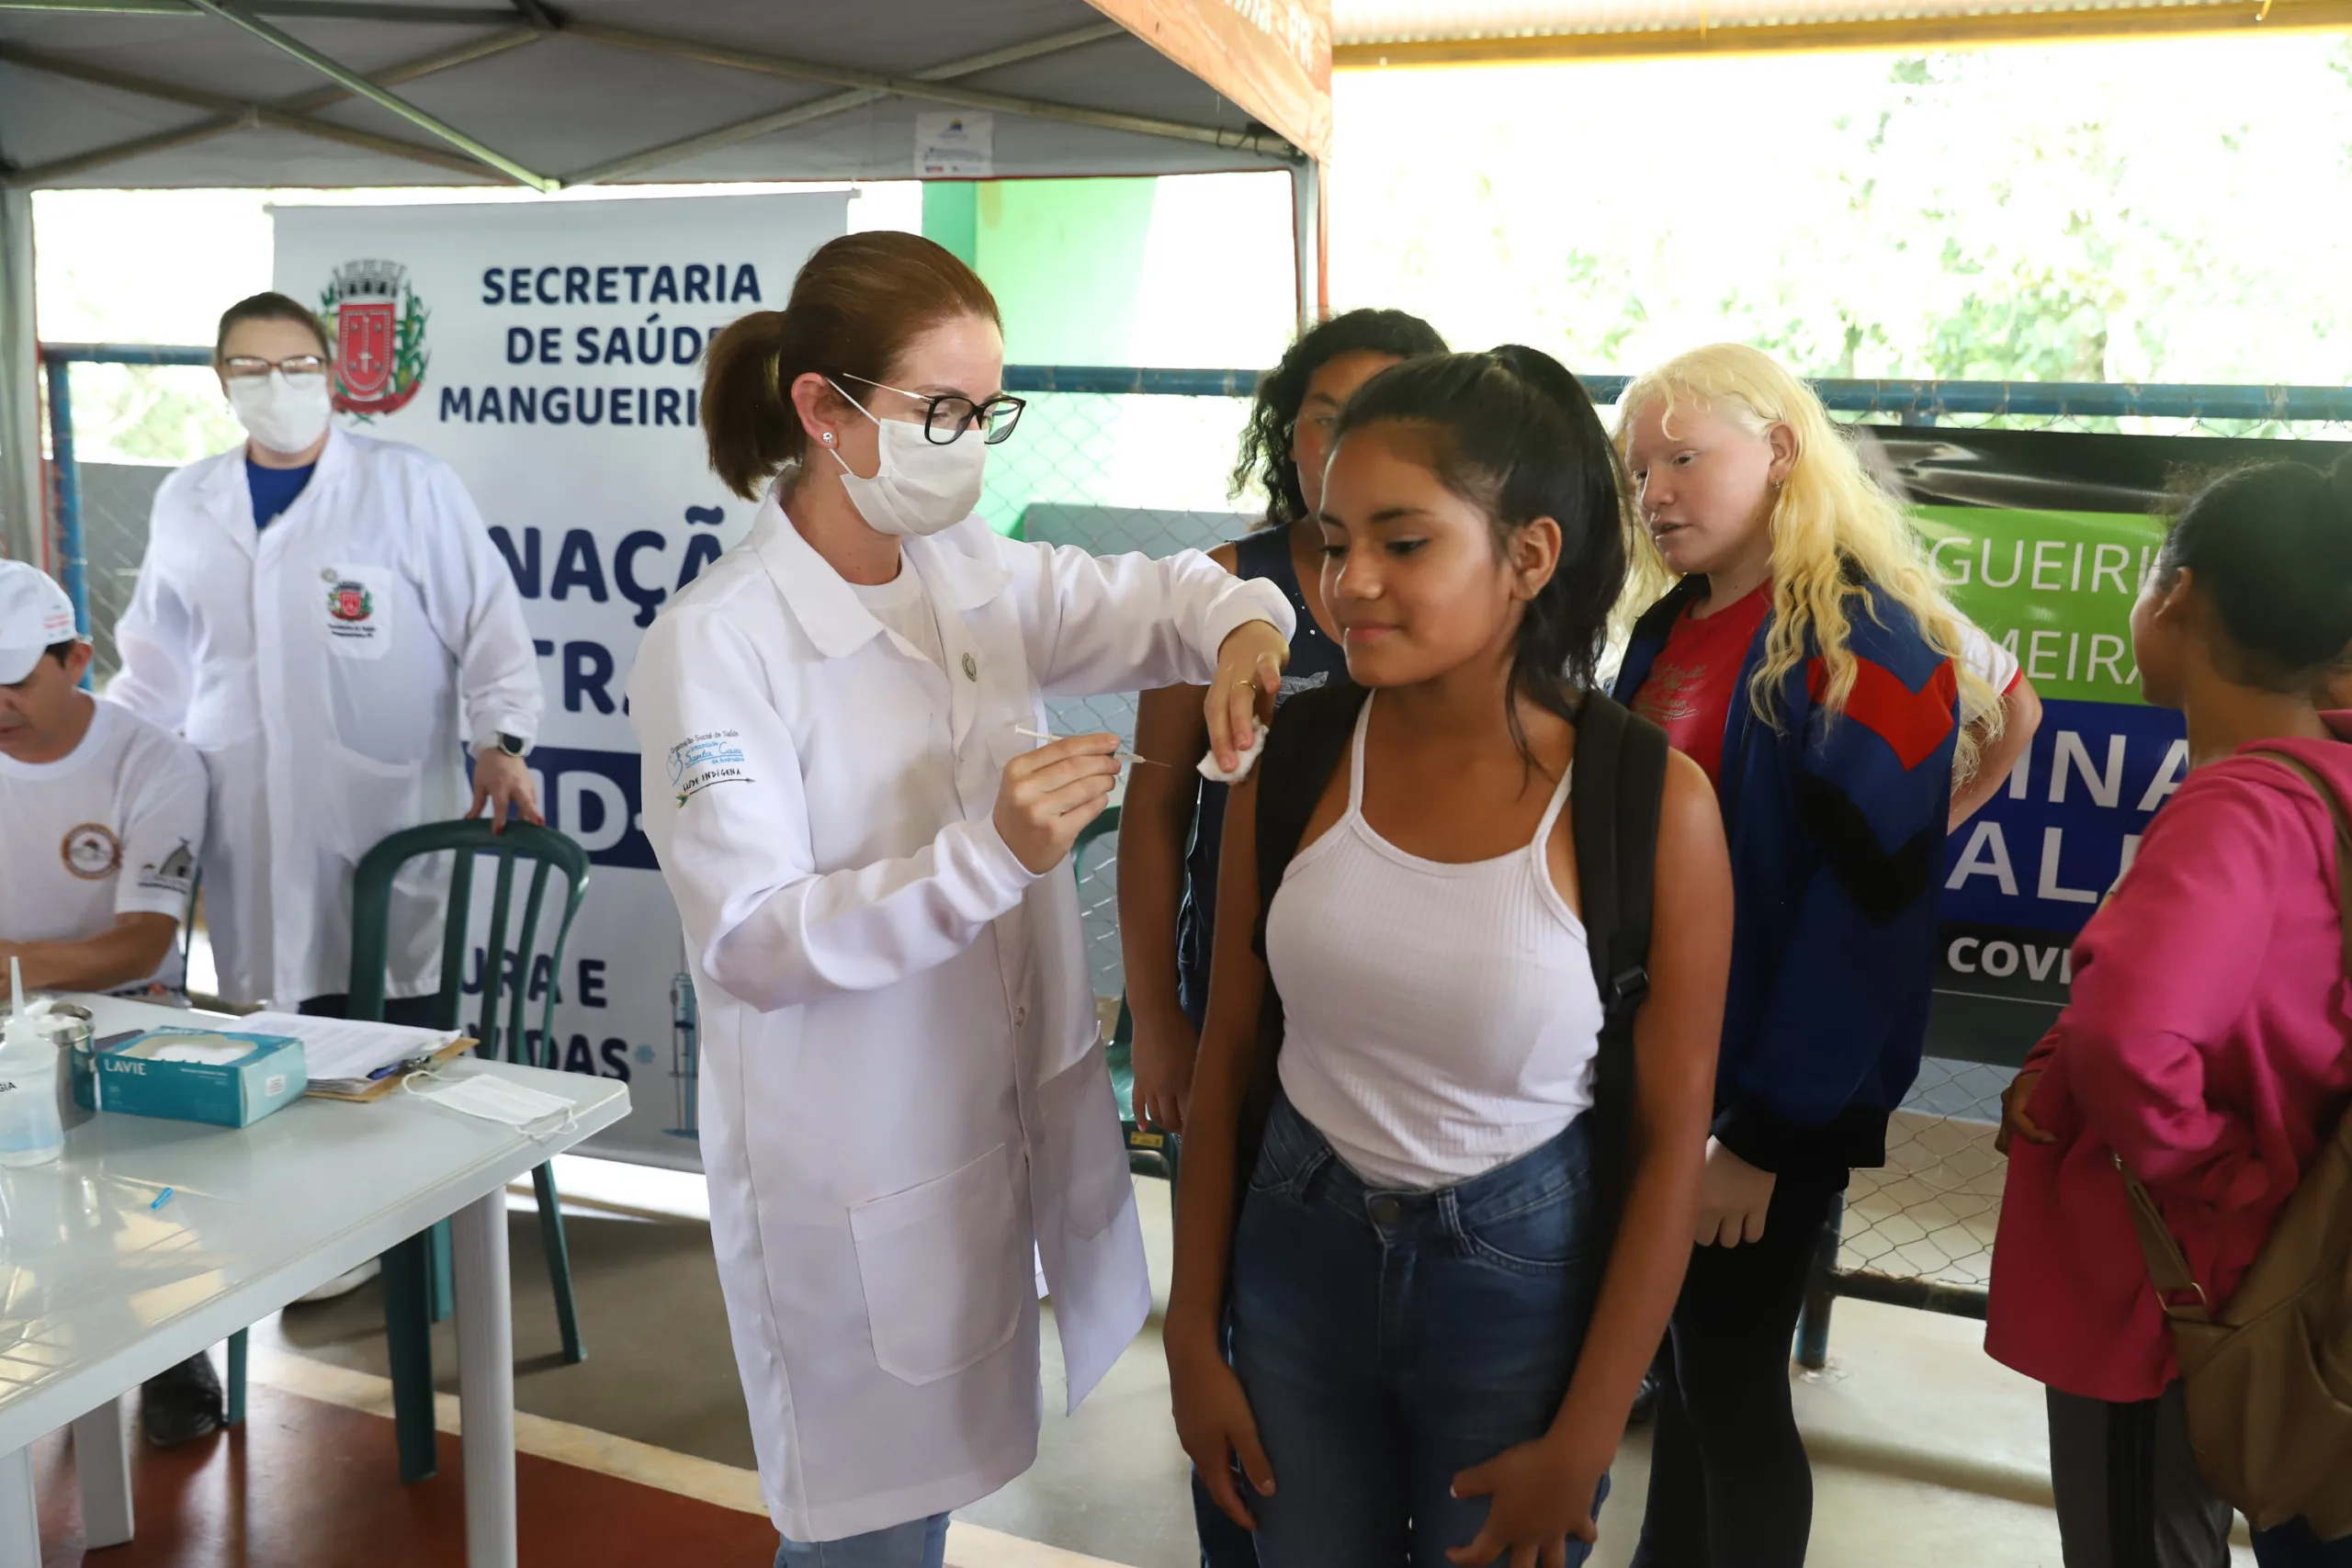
point(1124, 459)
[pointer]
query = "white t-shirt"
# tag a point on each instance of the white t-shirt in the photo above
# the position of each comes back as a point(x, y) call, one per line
point(1988, 658)
point(112, 827)
point(902, 606)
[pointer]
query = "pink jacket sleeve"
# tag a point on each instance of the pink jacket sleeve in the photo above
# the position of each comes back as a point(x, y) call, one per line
point(2166, 970)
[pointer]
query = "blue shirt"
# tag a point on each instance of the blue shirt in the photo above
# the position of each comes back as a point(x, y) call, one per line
point(274, 490)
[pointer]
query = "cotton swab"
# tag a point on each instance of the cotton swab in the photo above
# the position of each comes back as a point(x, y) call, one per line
point(1123, 756)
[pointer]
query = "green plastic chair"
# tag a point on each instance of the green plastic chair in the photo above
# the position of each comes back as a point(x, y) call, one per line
point(1149, 1153)
point(417, 1272)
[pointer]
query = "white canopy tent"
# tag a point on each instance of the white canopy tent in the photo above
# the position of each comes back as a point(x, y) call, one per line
point(355, 93)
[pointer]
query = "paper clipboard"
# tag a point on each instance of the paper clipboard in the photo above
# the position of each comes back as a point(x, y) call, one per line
point(391, 1081)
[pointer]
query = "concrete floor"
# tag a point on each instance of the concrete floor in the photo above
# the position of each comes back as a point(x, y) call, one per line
point(1924, 1452)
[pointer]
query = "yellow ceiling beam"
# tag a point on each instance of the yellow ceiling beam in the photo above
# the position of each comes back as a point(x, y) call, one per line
point(1968, 31)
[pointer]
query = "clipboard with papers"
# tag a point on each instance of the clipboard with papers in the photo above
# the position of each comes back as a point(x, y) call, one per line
point(351, 1060)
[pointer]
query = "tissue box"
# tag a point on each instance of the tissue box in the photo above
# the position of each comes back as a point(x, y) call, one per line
point(235, 1091)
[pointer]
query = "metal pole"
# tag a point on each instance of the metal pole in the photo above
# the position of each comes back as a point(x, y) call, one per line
point(20, 488)
point(1307, 222)
point(72, 565)
point(353, 82)
point(242, 113)
point(1821, 1292)
point(303, 104)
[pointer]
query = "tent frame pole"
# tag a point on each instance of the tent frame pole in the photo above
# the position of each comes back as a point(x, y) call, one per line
point(1307, 225)
point(780, 119)
point(22, 509)
point(243, 114)
point(301, 105)
point(352, 82)
point(1264, 143)
point(314, 10)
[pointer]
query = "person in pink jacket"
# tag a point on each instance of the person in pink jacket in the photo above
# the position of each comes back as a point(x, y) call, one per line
point(2206, 1044)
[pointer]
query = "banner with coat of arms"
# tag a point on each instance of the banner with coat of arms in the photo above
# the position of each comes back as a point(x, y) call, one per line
point(558, 371)
point(379, 327)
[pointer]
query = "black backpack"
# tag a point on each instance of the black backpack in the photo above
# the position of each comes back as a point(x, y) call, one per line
point(1613, 817)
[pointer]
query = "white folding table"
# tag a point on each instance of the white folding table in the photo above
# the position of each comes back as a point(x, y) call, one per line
point(100, 1291)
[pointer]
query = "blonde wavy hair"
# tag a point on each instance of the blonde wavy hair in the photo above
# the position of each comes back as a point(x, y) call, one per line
point(1831, 524)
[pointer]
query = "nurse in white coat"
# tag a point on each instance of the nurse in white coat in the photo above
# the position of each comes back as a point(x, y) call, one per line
point(318, 613)
point(903, 1086)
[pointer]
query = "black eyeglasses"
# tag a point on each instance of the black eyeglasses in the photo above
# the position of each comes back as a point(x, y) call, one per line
point(948, 415)
point(246, 366)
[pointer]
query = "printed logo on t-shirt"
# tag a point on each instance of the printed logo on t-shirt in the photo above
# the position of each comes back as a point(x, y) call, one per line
point(91, 851)
point(172, 873)
point(1670, 694)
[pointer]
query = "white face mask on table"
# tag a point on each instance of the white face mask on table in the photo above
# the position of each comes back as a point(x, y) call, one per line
point(920, 487)
point(284, 413)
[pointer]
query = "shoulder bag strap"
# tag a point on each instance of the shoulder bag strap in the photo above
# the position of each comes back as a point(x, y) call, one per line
point(2169, 1267)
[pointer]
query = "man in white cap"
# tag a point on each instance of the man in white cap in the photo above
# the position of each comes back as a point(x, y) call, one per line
point(105, 819)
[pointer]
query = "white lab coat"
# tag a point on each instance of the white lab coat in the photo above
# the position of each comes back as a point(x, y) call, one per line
point(317, 666)
point(903, 1084)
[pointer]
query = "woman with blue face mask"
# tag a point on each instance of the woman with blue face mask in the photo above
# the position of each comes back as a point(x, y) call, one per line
point(905, 1106)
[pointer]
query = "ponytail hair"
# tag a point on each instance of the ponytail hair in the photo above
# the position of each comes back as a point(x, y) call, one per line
point(2271, 546)
point(856, 304)
point(1513, 433)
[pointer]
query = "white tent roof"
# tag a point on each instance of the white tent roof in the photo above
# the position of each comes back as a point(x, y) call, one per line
point(195, 93)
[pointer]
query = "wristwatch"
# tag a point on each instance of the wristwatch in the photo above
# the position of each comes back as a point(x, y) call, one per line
point(513, 745)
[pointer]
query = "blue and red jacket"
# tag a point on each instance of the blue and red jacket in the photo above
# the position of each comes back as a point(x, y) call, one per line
point(1835, 822)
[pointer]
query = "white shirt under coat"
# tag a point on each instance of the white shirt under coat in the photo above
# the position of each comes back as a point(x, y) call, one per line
point(903, 1084)
point(327, 668)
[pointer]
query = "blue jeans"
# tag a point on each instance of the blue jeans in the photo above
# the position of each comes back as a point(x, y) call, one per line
point(1390, 1340)
point(918, 1543)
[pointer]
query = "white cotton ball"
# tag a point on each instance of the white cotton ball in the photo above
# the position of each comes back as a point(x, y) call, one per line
point(1215, 774)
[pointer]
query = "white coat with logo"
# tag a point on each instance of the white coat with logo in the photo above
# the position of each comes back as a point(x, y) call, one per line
point(903, 1084)
point(319, 666)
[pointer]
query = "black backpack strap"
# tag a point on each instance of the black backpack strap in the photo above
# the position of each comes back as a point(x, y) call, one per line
point(1310, 734)
point(1614, 807)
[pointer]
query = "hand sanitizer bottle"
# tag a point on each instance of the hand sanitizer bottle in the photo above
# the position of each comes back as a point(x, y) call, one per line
point(30, 1131)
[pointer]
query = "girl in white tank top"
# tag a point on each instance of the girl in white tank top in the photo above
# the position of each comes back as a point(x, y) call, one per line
point(1434, 1340)
point(1495, 968)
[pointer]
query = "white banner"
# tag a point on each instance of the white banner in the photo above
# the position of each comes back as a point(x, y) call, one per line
point(550, 355)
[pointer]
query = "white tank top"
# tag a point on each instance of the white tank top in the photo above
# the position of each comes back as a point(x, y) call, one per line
point(1439, 1019)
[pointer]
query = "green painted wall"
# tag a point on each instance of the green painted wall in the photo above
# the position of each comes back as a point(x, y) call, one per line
point(951, 217)
point(1064, 258)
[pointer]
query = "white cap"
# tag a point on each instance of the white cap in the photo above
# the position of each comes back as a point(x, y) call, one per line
point(35, 614)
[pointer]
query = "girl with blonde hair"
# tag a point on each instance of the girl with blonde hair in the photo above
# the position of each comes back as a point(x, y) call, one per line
point(1791, 640)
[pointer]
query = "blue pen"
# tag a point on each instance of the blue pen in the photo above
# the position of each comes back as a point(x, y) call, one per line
point(161, 1199)
point(412, 1064)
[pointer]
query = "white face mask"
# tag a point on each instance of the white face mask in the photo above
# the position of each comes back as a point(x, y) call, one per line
point(533, 1111)
point(284, 413)
point(920, 487)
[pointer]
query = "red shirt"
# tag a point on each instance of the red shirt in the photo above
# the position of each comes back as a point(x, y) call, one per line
point(1690, 689)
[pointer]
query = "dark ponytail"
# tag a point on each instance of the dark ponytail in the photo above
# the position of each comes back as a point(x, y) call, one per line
point(1281, 393)
point(857, 303)
point(1515, 436)
point(2271, 546)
